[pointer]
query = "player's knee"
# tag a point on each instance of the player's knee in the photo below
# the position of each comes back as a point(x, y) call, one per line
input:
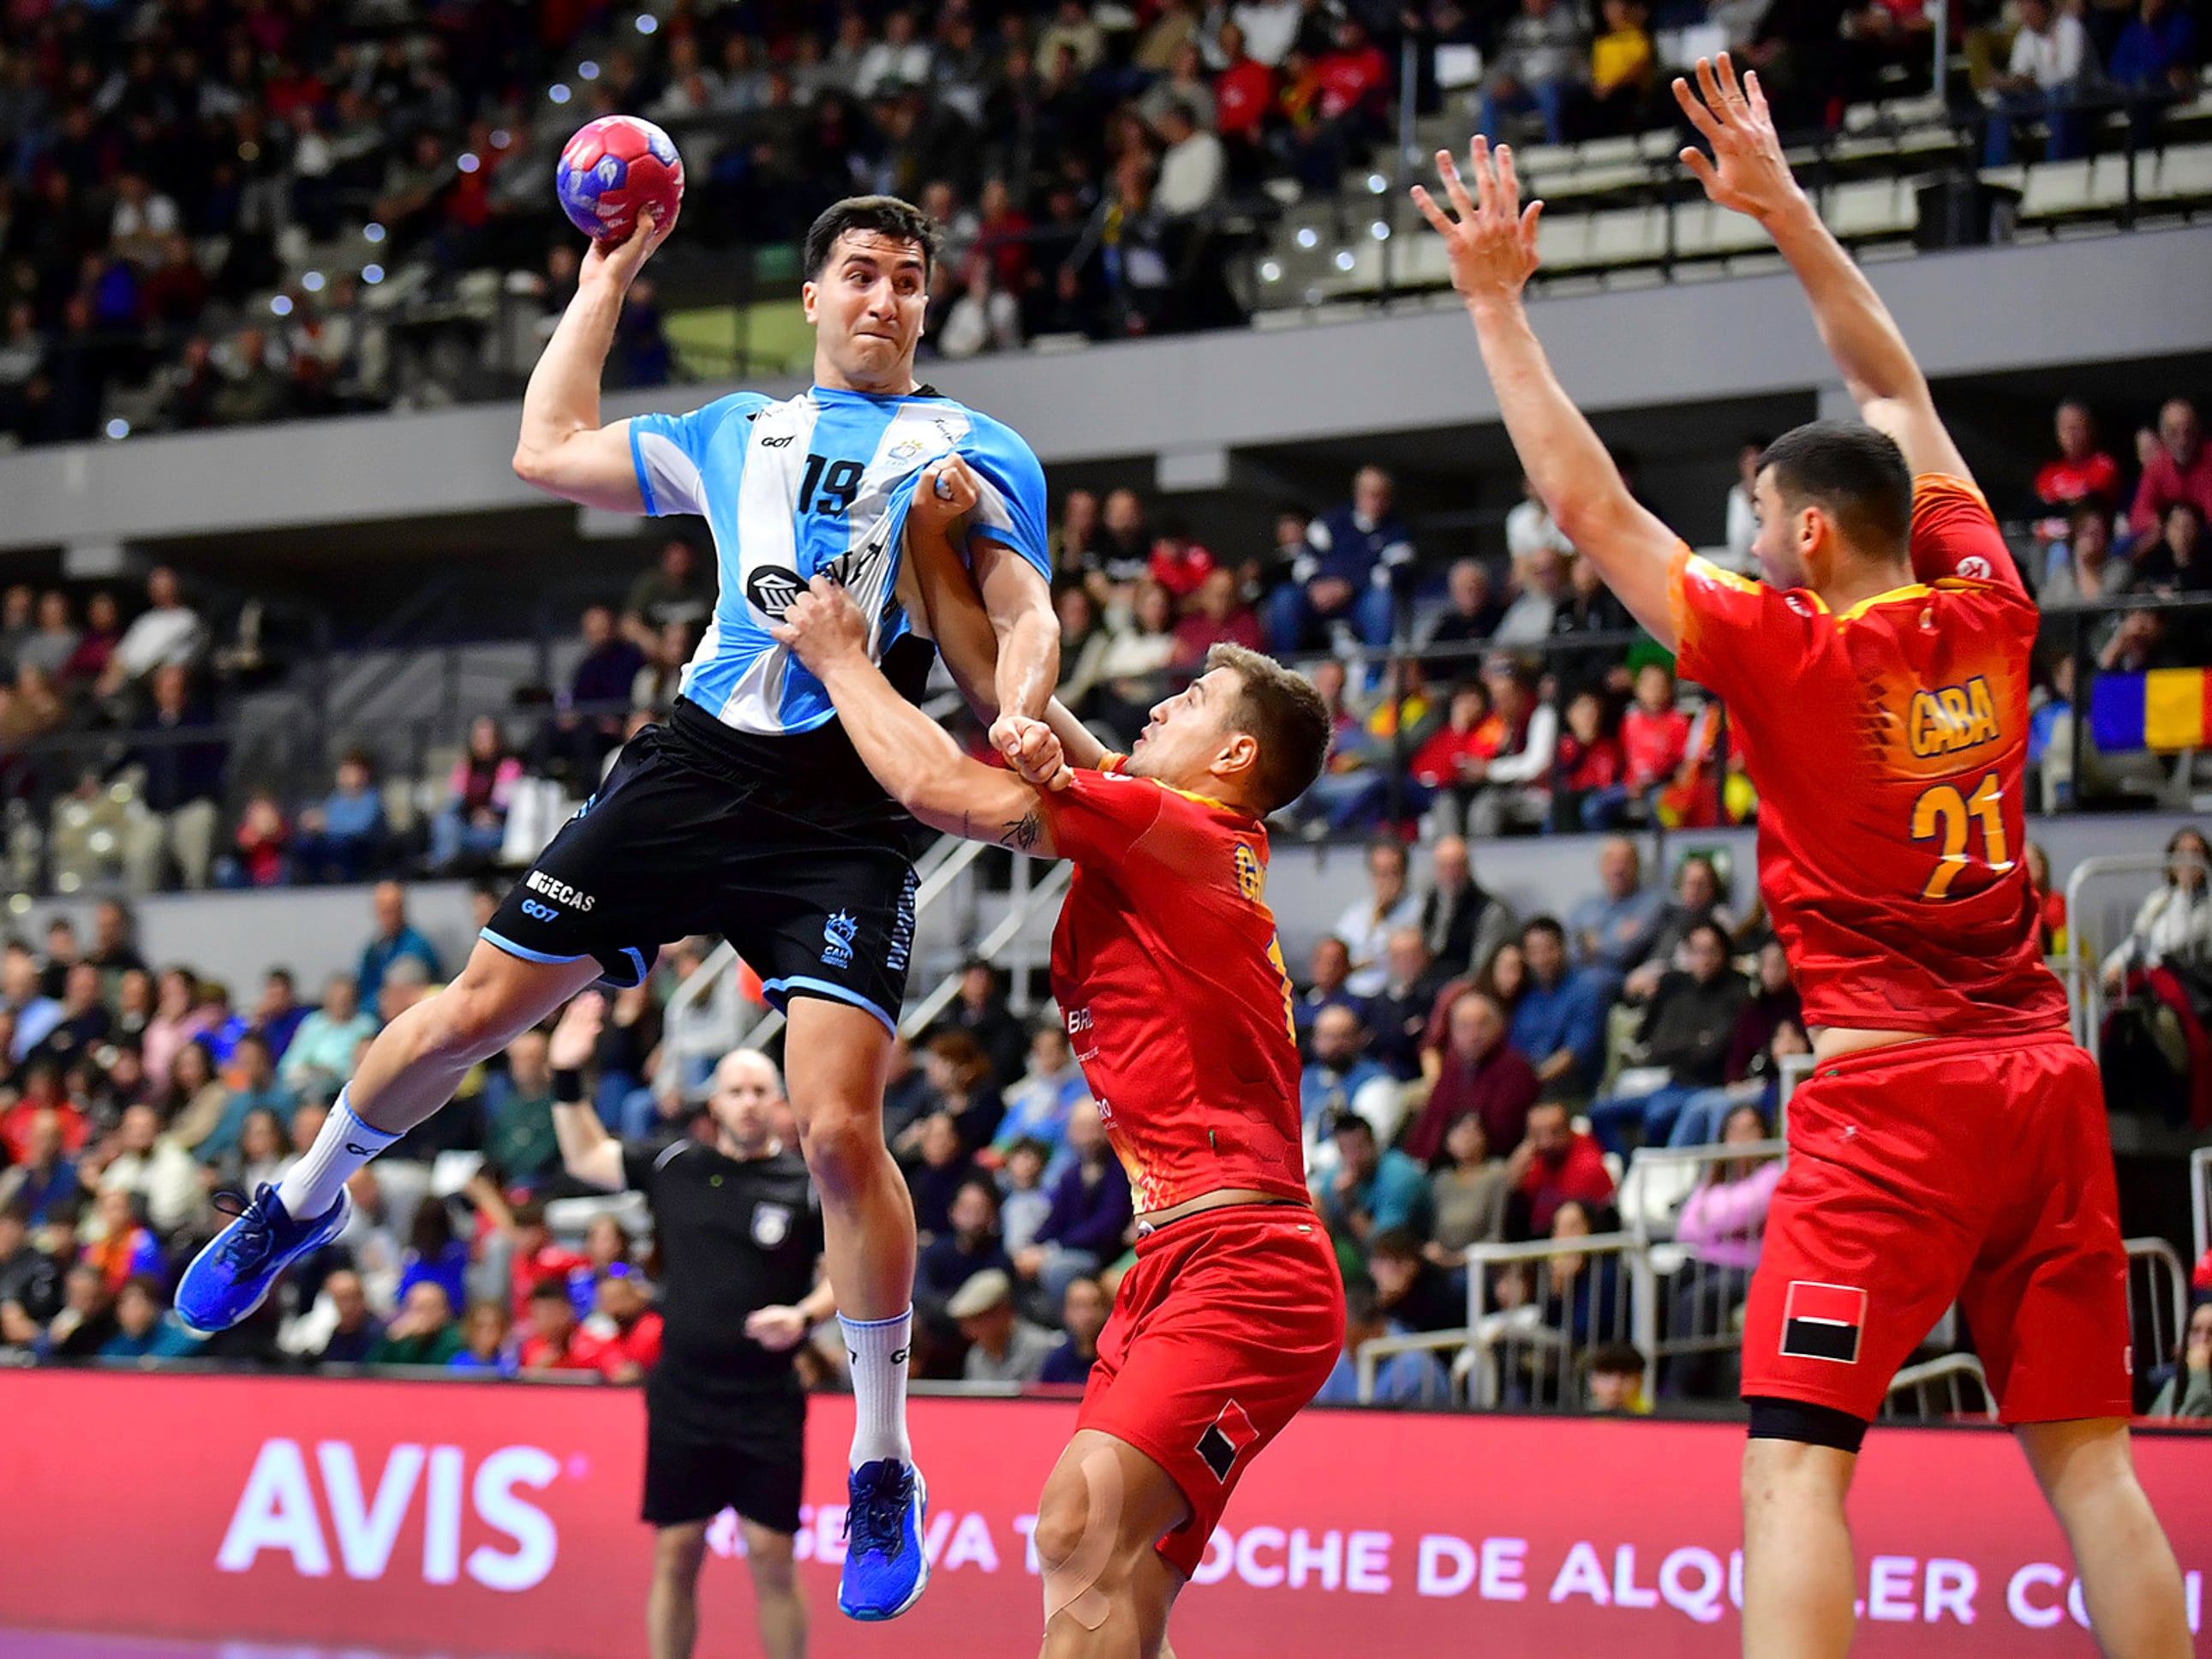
point(842, 1140)
point(679, 1551)
point(770, 1563)
point(1064, 1517)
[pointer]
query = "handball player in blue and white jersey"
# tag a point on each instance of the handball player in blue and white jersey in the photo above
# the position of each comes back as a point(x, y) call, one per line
point(748, 813)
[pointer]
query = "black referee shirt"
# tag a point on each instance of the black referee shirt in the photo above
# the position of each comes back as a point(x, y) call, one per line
point(734, 1237)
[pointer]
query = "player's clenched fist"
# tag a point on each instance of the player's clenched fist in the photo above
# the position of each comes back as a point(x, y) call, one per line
point(945, 491)
point(822, 625)
point(1031, 749)
point(1493, 239)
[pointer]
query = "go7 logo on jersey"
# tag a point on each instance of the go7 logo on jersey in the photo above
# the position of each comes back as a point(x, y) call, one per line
point(828, 486)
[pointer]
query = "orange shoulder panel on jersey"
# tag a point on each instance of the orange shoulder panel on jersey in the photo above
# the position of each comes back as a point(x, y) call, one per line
point(1954, 535)
point(1734, 635)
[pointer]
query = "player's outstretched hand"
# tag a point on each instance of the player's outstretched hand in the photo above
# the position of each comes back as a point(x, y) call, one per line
point(1492, 241)
point(619, 261)
point(1032, 750)
point(577, 1036)
point(822, 625)
point(1747, 172)
point(776, 1328)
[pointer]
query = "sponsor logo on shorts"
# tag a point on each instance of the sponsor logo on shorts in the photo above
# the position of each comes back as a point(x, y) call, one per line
point(837, 935)
point(771, 1224)
point(538, 912)
point(1823, 1322)
point(559, 892)
point(902, 927)
point(1225, 1440)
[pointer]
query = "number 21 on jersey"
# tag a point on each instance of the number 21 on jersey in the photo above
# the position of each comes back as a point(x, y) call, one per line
point(1943, 814)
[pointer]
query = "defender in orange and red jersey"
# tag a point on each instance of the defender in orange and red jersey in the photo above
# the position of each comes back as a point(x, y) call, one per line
point(1167, 970)
point(1951, 1145)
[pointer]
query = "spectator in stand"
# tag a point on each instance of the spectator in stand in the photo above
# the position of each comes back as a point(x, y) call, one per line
point(2187, 1394)
point(87, 666)
point(985, 318)
point(1002, 1348)
point(35, 1013)
point(1134, 671)
point(1621, 70)
point(30, 1281)
point(160, 1175)
point(1415, 1378)
point(1616, 1381)
point(1037, 1107)
point(971, 1244)
point(2084, 570)
point(342, 837)
point(118, 1244)
point(1448, 768)
point(1340, 1076)
point(1091, 1213)
point(2154, 61)
point(1194, 164)
point(1374, 1189)
point(1539, 66)
point(86, 1321)
point(1243, 92)
point(261, 842)
point(601, 682)
point(51, 646)
point(1722, 1226)
point(182, 784)
point(1348, 792)
point(486, 1345)
point(1483, 1073)
point(1399, 1014)
point(2173, 924)
point(472, 824)
point(256, 1090)
point(1683, 1042)
point(1552, 1167)
point(167, 634)
point(517, 1114)
point(1655, 741)
point(1075, 538)
point(114, 941)
point(2083, 475)
point(83, 1021)
point(1698, 897)
point(1587, 767)
point(1560, 1024)
point(1471, 615)
point(1467, 1190)
point(1743, 515)
point(674, 591)
point(936, 1167)
point(1589, 608)
point(1328, 970)
point(981, 1012)
point(1462, 924)
point(1417, 1292)
point(2051, 64)
point(1770, 1027)
point(422, 1332)
point(141, 1331)
point(1516, 780)
point(1343, 588)
point(319, 1057)
point(557, 1341)
point(42, 1178)
point(394, 938)
point(2175, 563)
point(1544, 588)
point(1024, 1203)
point(622, 1335)
point(1083, 1313)
point(1216, 617)
point(1367, 924)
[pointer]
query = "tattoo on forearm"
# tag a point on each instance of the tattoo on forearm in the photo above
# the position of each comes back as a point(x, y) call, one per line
point(1024, 833)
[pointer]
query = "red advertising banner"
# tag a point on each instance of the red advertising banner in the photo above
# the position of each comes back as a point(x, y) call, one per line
point(468, 1518)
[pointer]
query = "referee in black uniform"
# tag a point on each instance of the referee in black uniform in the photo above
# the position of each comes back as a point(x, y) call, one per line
point(740, 1238)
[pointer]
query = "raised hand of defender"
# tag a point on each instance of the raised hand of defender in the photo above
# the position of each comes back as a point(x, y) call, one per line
point(1745, 173)
point(1032, 750)
point(822, 626)
point(619, 261)
point(577, 1037)
point(1492, 241)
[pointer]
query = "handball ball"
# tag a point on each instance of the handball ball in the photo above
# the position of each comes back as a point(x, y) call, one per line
point(614, 168)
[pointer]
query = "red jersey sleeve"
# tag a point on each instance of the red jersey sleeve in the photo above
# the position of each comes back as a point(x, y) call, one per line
point(1734, 635)
point(1953, 535)
point(1101, 816)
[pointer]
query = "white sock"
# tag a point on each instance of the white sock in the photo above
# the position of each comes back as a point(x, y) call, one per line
point(310, 1187)
point(878, 1349)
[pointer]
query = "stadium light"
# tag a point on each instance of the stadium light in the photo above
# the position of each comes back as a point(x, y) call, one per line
point(1270, 271)
point(468, 163)
point(1308, 236)
point(1344, 258)
point(281, 305)
point(1377, 184)
point(312, 281)
point(558, 92)
point(587, 70)
point(372, 232)
point(119, 428)
point(646, 23)
point(1379, 230)
point(372, 275)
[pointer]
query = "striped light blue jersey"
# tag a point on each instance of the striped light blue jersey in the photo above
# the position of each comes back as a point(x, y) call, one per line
point(818, 483)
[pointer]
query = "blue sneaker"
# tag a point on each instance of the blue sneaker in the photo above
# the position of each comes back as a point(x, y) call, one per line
point(886, 1569)
point(239, 1265)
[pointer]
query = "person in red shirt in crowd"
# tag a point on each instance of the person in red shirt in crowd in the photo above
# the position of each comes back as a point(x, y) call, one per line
point(1655, 741)
point(42, 1094)
point(2083, 471)
point(1002, 237)
point(536, 1258)
point(126, 1247)
point(1243, 92)
point(263, 838)
point(1178, 564)
point(621, 1338)
point(1216, 617)
point(1482, 1073)
point(1589, 765)
point(2180, 470)
point(1452, 758)
point(1551, 1166)
point(557, 1341)
point(1353, 74)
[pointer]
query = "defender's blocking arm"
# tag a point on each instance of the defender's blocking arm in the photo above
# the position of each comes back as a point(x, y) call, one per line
point(912, 756)
point(1493, 252)
point(1748, 173)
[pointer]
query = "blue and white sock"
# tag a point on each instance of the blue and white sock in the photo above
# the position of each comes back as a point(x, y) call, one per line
point(877, 1351)
point(310, 1187)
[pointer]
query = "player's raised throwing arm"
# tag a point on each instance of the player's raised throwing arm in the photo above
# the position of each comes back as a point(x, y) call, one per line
point(1748, 174)
point(912, 756)
point(563, 450)
point(1493, 253)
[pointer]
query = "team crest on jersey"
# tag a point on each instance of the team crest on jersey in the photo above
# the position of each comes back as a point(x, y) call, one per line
point(771, 1224)
point(837, 934)
point(774, 590)
point(907, 448)
point(1250, 881)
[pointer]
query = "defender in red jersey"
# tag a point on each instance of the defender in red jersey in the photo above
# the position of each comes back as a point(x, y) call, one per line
point(1951, 1145)
point(1166, 969)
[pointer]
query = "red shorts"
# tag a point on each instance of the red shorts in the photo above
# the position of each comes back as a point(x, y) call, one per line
point(1971, 1169)
point(1229, 1322)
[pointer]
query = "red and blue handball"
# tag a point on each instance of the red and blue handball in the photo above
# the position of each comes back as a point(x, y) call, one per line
point(615, 169)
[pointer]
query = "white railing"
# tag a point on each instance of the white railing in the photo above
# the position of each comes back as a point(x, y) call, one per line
point(1939, 1389)
point(1031, 895)
point(2161, 1309)
point(1699, 1314)
point(2200, 1202)
point(1530, 1354)
point(2086, 941)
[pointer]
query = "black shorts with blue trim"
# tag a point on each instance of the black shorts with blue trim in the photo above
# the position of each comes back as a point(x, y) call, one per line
point(786, 847)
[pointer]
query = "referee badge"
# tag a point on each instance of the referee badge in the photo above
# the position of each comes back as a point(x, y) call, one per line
point(771, 1224)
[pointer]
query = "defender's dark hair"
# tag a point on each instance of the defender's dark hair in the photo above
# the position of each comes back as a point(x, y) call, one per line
point(1855, 474)
point(1280, 709)
point(887, 216)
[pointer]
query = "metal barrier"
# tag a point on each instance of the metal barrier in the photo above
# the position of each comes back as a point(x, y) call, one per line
point(1951, 1382)
point(2200, 1202)
point(1367, 1360)
point(1524, 1348)
point(2092, 935)
point(2158, 1300)
point(1698, 1323)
